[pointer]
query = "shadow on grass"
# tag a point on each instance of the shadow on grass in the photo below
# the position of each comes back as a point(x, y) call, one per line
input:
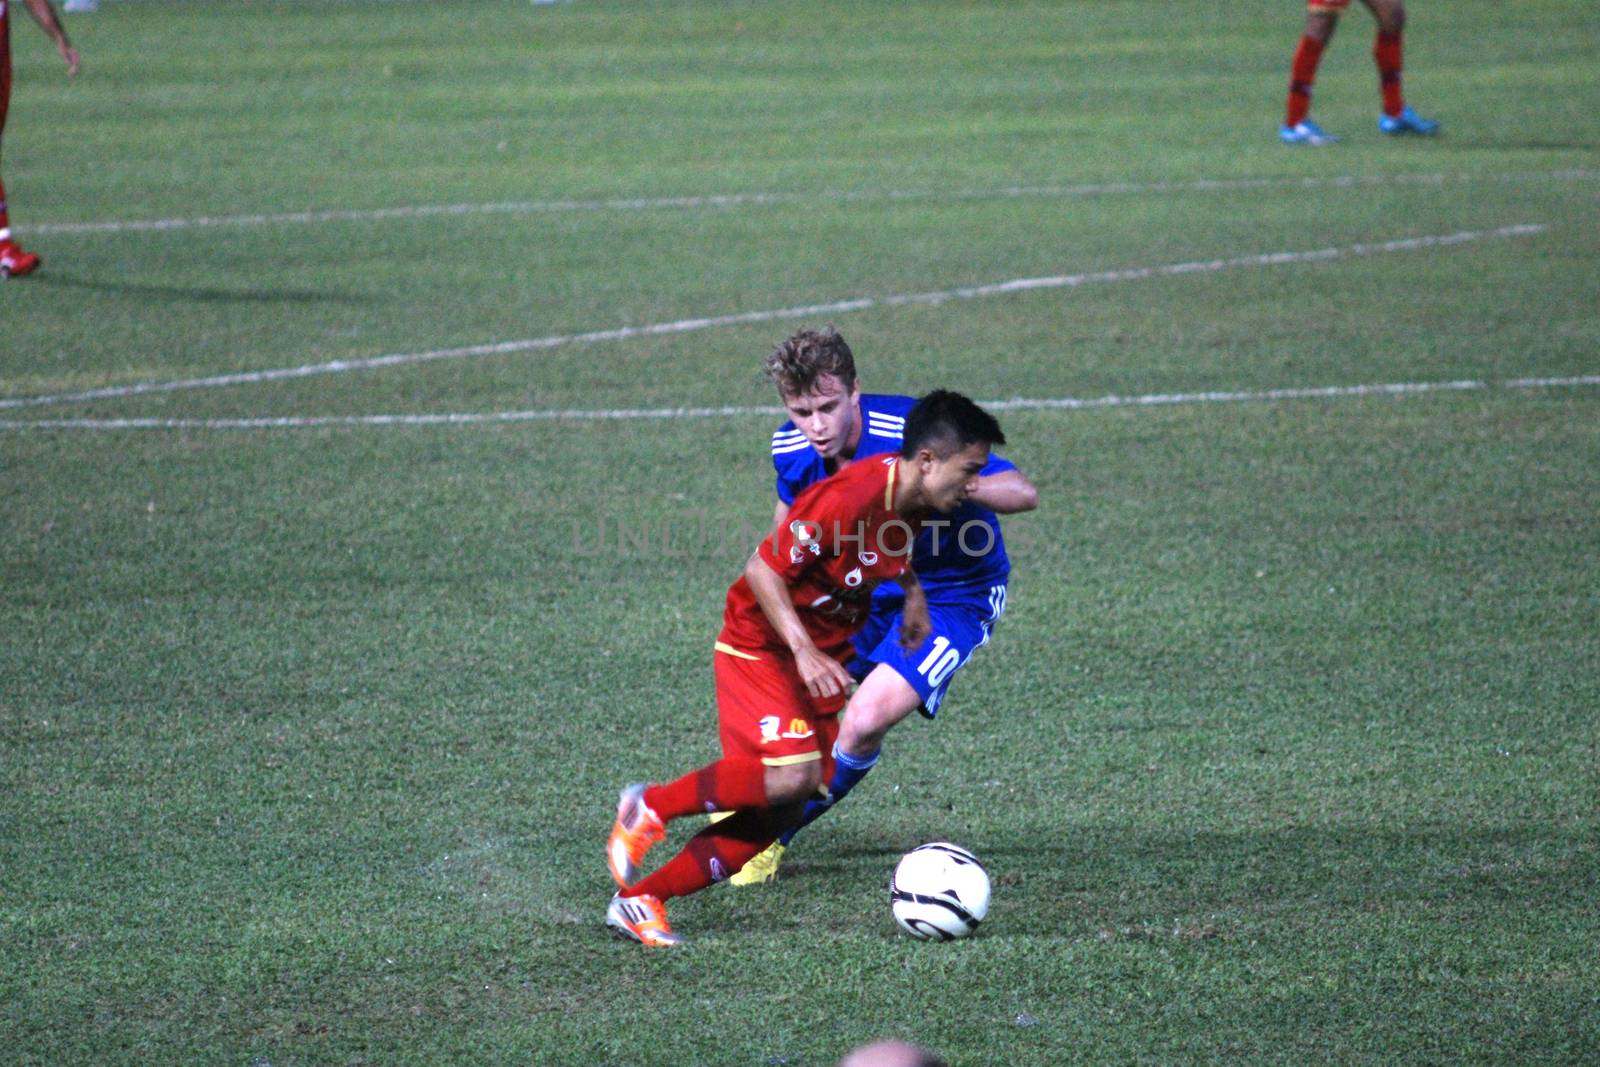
point(201, 294)
point(1106, 876)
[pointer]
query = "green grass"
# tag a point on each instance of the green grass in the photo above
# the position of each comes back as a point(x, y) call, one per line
point(1285, 751)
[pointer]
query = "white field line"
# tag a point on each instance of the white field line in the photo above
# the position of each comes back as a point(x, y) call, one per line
point(1016, 285)
point(297, 422)
point(758, 199)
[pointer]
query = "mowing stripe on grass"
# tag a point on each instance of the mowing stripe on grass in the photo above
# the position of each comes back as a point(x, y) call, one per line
point(294, 422)
point(1015, 285)
point(758, 199)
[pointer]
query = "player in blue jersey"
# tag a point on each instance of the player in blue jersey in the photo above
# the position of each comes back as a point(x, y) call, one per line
point(961, 563)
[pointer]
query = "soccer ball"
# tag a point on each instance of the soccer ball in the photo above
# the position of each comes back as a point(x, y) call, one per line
point(939, 892)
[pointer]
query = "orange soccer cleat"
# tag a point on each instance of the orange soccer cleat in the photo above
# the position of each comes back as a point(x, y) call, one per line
point(14, 262)
point(636, 829)
point(643, 919)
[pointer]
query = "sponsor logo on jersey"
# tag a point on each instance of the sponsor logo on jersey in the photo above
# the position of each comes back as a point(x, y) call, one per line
point(853, 579)
point(772, 729)
point(869, 558)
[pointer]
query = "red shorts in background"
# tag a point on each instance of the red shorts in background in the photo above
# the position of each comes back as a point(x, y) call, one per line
point(763, 710)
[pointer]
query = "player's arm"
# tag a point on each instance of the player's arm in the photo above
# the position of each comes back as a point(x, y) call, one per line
point(1006, 492)
point(915, 623)
point(823, 675)
point(45, 16)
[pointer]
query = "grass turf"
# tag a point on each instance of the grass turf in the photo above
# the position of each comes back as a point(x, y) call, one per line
point(1285, 750)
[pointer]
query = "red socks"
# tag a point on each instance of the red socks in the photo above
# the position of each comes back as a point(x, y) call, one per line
point(735, 784)
point(729, 784)
point(1302, 73)
point(1386, 51)
point(710, 856)
point(5, 224)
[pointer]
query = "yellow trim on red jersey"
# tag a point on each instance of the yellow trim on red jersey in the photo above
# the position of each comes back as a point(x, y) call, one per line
point(888, 488)
point(790, 761)
point(730, 650)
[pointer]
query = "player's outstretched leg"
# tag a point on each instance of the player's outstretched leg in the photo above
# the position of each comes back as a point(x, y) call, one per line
point(709, 857)
point(883, 699)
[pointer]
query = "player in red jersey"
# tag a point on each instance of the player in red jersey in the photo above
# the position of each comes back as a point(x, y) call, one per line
point(1322, 16)
point(780, 673)
point(13, 260)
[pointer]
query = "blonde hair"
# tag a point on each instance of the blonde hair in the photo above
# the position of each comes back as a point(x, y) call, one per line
point(797, 363)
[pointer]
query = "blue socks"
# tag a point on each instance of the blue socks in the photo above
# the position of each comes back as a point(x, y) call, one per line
point(847, 771)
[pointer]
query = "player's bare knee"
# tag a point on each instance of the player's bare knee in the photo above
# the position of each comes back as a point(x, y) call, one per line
point(1391, 14)
point(1320, 26)
point(793, 784)
point(873, 712)
point(864, 735)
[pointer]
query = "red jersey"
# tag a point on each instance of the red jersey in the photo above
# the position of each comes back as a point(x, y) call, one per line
point(840, 539)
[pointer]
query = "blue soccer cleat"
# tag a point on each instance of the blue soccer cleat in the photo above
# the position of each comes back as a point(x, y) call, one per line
point(1305, 132)
point(1408, 121)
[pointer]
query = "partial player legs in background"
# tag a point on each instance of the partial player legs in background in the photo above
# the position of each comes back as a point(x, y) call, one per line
point(14, 262)
point(1297, 126)
point(1388, 50)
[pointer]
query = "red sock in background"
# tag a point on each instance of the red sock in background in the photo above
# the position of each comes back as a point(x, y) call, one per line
point(710, 856)
point(727, 785)
point(1302, 73)
point(5, 223)
point(1386, 50)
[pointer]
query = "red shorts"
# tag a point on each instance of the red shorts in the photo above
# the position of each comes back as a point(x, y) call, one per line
point(763, 710)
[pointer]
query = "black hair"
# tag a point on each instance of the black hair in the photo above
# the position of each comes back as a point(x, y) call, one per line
point(945, 422)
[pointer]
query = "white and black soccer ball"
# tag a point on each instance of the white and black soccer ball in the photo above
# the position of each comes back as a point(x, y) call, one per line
point(939, 892)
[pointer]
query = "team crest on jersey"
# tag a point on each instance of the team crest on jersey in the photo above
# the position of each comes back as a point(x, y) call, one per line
point(807, 533)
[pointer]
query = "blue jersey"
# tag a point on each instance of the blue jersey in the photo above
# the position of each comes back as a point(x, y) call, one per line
point(967, 555)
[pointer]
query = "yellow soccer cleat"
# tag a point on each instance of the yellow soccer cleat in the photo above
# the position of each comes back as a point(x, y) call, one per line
point(762, 869)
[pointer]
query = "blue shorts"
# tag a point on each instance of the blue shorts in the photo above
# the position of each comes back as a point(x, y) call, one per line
point(959, 628)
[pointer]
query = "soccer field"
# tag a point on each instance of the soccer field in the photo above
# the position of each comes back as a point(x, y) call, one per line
point(385, 426)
